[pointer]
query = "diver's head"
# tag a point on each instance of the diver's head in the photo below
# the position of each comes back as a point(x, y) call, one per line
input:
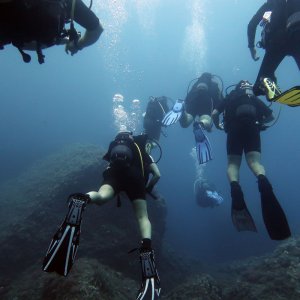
point(163, 100)
point(206, 76)
point(243, 85)
point(202, 86)
point(124, 135)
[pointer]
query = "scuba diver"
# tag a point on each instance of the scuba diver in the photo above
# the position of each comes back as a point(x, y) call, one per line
point(244, 117)
point(35, 25)
point(197, 107)
point(206, 195)
point(129, 170)
point(280, 37)
point(155, 112)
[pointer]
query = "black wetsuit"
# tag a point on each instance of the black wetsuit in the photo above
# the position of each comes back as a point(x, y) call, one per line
point(131, 179)
point(156, 109)
point(280, 40)
point(83, 15)
point(17, 26)
point(200, 101)
point(243, 117)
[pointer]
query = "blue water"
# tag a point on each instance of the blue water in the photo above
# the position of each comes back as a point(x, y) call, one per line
point(146, 50)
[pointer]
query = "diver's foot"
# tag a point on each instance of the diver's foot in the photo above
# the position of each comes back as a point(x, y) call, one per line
point(270, 88)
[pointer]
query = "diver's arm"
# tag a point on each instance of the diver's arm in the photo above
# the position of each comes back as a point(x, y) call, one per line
point(88, 20)
point(90, 37)
point(153, 169)
point(266, 112)
point(216, 118)
point(251, 30)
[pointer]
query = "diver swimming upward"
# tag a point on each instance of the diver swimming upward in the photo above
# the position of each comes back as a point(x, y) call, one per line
point(197, 107)
point(244, 117)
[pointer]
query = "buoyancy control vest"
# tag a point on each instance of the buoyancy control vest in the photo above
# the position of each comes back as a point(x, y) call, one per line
point(240, 108)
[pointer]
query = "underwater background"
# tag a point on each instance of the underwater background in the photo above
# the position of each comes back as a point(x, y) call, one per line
point(153, 48)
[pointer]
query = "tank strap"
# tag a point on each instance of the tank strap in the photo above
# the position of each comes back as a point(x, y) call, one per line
point(141, 157)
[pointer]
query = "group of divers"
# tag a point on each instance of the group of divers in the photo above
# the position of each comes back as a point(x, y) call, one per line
point(32, 25)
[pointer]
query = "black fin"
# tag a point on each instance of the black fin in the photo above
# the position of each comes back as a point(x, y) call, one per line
point(241, 217)
point(150, 279)
point(63, 247)
point(274, 217)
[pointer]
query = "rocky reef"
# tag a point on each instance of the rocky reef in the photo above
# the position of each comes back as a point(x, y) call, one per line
point(34, 204)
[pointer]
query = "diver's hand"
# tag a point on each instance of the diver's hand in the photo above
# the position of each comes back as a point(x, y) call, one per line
point(254, 54)
point(72, 47)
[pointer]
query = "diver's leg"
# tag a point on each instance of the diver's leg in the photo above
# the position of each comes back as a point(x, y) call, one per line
point(150, 285)
point(240, 215)
point(270, 63)
point(233, 167)
point(206, 122)
point(105, 193)
point(253, 161)
point(186, 120)
point(140, 210)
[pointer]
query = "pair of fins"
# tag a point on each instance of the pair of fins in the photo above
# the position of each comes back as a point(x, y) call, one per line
point(273, 215)
point(291, 97)
point(203, 147)
point(63, 248)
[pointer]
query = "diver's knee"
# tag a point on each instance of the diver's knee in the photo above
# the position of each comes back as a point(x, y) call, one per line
point(206, 122)
point(95, 197)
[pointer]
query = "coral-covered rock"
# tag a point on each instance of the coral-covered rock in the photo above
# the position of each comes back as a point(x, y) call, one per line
point(93, 281)
point(199, 288)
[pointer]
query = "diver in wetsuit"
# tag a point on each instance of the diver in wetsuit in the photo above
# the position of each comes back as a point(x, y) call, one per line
point(244, 117)
point(129, 171)
point(36, 25)
point(204, 96)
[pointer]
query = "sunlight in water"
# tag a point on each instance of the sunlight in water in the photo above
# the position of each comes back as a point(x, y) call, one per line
point(194, 46)
point(146, 12)
point(116, 14)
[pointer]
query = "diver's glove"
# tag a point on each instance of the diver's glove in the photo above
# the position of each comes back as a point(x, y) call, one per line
point(175, 114)
point(150, 279)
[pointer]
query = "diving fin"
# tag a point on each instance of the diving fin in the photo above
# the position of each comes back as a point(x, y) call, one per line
point(203, 148)
point(174, 114)
point(273, 214)
point(241, 217)
point(63, 247)
point(290, 97)
point(270, 88)
point(150, 280)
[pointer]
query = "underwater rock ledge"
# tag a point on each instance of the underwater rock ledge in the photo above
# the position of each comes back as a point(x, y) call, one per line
point(34, 204)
